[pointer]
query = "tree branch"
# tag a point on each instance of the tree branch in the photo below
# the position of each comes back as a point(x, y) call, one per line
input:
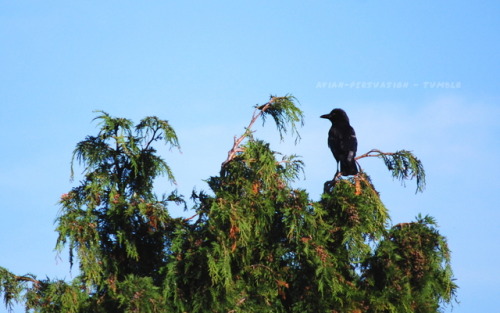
point(403, 165)
point(236, 145)
point(369, 154)
point(190, 218)
point(36, 282)
point(152, 138)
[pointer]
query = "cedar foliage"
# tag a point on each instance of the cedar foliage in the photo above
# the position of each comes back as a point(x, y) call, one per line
point(255, 244)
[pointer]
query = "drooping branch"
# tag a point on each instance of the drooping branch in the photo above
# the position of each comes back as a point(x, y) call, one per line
point(282, 109)
point(403, 165)
point(28, 279)
point(12, 286)
point(6, 276)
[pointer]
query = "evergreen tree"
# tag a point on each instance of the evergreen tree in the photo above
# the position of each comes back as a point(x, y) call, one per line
point(255, 244)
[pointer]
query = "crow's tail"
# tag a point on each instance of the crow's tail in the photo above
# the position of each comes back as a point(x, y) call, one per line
point(348, 167)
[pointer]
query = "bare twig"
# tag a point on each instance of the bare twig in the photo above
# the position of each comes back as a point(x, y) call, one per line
point(152, 138)
point(236, 145)
point(190, 218)
point(401, 225)
point(369, 154)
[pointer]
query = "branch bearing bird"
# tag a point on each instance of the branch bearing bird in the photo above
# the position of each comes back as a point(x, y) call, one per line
point(342, 141)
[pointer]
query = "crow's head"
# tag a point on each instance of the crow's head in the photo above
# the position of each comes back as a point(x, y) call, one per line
point(337, 116)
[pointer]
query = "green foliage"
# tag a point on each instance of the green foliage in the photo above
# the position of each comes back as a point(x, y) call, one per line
point(41, 295)
point(56, 296)
point(113, 221)
point(402, 164)
point(284, 113)
point(139, 294)
point(11, 286)
point(357, 217)
point(410, 270)
point(256, 243)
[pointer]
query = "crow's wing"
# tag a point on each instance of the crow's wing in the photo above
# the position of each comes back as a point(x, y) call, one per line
point(350, 143)
point(342, 140)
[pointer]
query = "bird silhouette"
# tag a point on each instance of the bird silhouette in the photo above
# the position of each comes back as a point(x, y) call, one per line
point(342, 141)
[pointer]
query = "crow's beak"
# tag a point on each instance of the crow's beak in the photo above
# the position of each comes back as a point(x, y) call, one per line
point(325, 116)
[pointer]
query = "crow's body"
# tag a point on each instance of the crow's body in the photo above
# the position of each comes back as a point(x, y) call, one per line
point(342, 141)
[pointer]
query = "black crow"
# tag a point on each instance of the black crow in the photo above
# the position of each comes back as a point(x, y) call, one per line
point(342, 141)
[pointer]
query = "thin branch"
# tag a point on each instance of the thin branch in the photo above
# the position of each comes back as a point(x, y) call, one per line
point(403, 165)
point(190, 218)
point(152, 138)
point(369, 154)
point(401, 225)
point(28, 279)
point(236, 145)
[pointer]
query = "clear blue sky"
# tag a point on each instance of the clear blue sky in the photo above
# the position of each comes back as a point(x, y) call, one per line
point(203, 65)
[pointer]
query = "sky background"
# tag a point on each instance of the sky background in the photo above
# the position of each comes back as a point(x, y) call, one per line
point(203, 65)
